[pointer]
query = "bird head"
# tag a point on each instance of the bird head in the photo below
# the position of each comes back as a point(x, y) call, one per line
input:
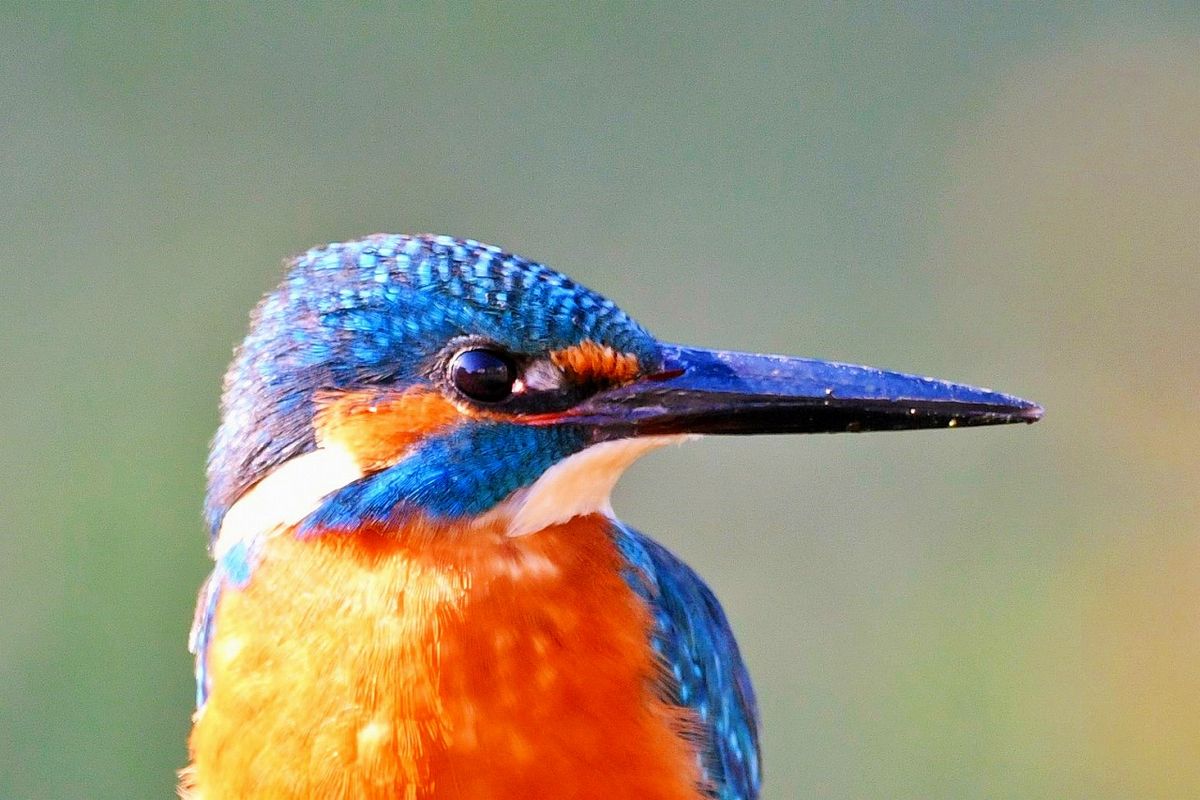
point(400, 375)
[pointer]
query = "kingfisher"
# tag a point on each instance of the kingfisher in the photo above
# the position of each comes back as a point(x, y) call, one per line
point(420, 587)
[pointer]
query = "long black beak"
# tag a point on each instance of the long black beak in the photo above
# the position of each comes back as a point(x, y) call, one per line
point(718, 392)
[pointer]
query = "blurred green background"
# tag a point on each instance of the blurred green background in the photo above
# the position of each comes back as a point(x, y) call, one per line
point(1008, 197)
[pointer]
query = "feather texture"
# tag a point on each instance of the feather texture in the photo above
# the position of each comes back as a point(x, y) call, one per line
point(443, 664)
point(703, 670)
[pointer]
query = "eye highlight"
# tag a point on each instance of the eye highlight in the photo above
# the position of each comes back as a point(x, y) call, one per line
point(484, 375)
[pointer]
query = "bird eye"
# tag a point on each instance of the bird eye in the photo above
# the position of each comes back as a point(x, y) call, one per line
point(483, 375)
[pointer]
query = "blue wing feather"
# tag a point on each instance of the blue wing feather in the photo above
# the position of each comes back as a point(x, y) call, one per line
point(201, 634)
point(704, 670)
point(232, 569)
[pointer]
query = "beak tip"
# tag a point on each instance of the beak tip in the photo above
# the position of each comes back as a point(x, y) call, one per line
point(1013, 410)
point(1031, 413)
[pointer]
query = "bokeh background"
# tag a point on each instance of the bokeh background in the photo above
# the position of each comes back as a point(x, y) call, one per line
point(1005, 196)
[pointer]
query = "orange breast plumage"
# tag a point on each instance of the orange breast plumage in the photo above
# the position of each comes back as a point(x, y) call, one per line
point(439, 663)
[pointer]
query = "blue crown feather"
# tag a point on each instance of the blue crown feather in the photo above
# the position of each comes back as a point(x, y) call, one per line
point(377, 311)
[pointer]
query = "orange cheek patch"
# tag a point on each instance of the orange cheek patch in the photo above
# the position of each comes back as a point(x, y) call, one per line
point(377, 429)
point(589, 361)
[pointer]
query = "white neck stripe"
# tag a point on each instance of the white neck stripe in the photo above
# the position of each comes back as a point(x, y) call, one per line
point(578, 485)
point(287, 495)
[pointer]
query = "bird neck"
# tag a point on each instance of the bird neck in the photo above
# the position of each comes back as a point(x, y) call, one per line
point(327, 481)
point(439, 663)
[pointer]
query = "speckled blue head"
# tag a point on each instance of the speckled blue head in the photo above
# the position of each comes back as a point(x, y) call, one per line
point(391, 315)
point(379, 313)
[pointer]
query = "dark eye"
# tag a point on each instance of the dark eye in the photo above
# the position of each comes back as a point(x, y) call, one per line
point(483, 375)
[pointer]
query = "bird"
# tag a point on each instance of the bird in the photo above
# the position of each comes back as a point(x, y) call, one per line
point(420, 587)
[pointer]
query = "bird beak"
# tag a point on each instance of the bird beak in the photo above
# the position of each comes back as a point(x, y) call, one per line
point(712, 391)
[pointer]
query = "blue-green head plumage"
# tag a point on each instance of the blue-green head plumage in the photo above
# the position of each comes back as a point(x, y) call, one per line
point(386, 313)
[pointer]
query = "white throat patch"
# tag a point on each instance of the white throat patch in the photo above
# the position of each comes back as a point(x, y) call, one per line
point(578, 485)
